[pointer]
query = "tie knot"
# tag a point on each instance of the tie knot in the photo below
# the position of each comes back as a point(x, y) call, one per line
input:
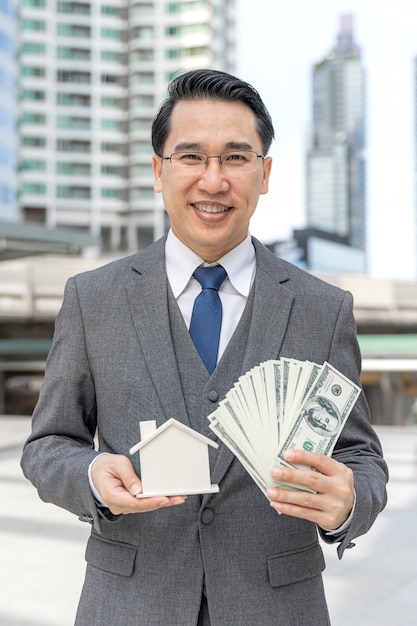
point(210, 277)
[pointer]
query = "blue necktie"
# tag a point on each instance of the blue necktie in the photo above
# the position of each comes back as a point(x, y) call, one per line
point(206, 319)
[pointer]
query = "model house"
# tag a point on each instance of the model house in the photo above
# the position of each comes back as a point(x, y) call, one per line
point(174, 460)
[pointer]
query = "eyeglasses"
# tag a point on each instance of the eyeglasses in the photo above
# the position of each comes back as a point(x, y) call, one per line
point(236, 162)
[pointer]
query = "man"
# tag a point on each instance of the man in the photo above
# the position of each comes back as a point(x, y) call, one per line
point(122, 354)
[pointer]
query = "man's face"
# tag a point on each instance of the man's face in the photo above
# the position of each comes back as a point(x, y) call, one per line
point(210, 211)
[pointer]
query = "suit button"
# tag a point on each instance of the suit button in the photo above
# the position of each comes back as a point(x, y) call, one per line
point(207, 516)
point(213, 396)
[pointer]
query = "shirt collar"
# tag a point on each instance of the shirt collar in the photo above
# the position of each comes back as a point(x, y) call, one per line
point(181, 262)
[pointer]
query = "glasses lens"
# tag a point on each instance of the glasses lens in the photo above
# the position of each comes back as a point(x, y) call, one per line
point(244, 160)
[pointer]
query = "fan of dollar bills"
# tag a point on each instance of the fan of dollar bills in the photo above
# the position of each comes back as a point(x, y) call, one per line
point(282, 405)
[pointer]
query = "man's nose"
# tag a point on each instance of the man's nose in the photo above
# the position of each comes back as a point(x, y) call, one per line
point(213, 179)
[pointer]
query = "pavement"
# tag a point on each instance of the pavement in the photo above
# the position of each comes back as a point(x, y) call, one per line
point(42, 547)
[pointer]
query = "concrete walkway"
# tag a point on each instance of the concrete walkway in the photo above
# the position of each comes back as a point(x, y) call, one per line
point(42, 548)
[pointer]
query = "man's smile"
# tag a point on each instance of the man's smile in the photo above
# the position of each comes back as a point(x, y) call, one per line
point(211, 208)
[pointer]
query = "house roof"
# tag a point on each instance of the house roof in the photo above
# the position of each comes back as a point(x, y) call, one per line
point(173, 423)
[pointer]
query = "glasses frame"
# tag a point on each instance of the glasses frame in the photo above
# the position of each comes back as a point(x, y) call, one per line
point(216, 156)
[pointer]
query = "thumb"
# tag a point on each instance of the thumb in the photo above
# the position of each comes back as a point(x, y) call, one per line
point(128, 476)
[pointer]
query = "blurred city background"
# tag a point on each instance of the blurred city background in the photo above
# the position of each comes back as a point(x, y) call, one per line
point(80, 82)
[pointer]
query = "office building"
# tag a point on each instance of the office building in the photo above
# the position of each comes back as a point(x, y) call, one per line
point(8, 70)
point(335, 168)
point(92, 74)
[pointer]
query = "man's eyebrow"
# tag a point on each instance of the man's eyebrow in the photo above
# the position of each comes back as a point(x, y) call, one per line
point(230, 145)
point(238, 145)
point(186, 145)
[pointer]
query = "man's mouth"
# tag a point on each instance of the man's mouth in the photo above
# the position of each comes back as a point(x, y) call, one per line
point(211, 208)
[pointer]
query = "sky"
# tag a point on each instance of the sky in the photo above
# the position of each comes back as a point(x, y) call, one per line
point(277, 44)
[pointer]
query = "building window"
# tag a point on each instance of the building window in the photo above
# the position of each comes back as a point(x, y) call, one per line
point(111, 33)
point(108, 124)
point(107, 9)
point(108, 146)
point(78, 123)
point(185, 29)
point(73, 145)
point(71, 76)
point(75, 193)
point(38, 4)
point(112, 102)
point(142, 55)
point(142, 32)
point(34, 142)
point(33, 72)
point(73, 169)
point(37, 25)
point(111, 79)
point(32, 47)
point(35, 189)
point(33, 118)
point(110, 55)
point(32, 165)
point(111, 193)
point(173, 53)
point(192, 5)
point(79, 54)
point(144, 9)
point(76, 8)
point(73, 30)
point(32, 94)
point(112, 170)
point(73, 99)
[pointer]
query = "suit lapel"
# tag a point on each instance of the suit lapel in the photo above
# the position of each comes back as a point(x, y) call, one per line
point(147, 295)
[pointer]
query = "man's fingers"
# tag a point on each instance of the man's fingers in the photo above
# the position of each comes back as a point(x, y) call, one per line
point(117, 484)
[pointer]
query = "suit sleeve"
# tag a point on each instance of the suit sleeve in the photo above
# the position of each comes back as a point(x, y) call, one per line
point(358, 446)
point(60, 448)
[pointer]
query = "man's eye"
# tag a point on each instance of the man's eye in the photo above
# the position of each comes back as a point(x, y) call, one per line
point(235, 158)
point(191, 158)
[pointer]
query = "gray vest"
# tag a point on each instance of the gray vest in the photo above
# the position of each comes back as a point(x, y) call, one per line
point(201, 391)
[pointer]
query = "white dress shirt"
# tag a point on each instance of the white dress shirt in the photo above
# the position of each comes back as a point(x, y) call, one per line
point(240, 266)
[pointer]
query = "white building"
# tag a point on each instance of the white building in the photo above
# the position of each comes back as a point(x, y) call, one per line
point(8, 70)
point(92, 74)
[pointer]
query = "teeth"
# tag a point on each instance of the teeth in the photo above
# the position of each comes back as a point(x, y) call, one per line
point(214, 208)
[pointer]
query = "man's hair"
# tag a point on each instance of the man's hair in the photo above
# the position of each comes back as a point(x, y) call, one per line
point(210, 85)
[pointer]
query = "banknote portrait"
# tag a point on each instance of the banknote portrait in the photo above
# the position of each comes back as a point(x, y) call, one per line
point(322, 416)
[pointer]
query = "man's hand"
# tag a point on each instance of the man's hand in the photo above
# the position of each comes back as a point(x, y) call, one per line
point(117, 483)
point(333, 483)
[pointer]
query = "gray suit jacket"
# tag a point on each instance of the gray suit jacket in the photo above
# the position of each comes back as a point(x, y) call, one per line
point(112, 364)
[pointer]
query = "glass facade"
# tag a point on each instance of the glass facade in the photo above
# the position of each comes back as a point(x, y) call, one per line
point(335, 159)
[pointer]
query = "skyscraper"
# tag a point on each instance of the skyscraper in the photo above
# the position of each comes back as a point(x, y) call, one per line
point(335, 158)
point(92, 73)
point(8, 68)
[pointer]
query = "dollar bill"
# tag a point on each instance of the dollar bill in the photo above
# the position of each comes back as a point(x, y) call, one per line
point(281, 405)
point(322, 415)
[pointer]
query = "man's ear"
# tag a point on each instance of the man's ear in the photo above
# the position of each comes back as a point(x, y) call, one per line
point(157, 172)
point(266, 174)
